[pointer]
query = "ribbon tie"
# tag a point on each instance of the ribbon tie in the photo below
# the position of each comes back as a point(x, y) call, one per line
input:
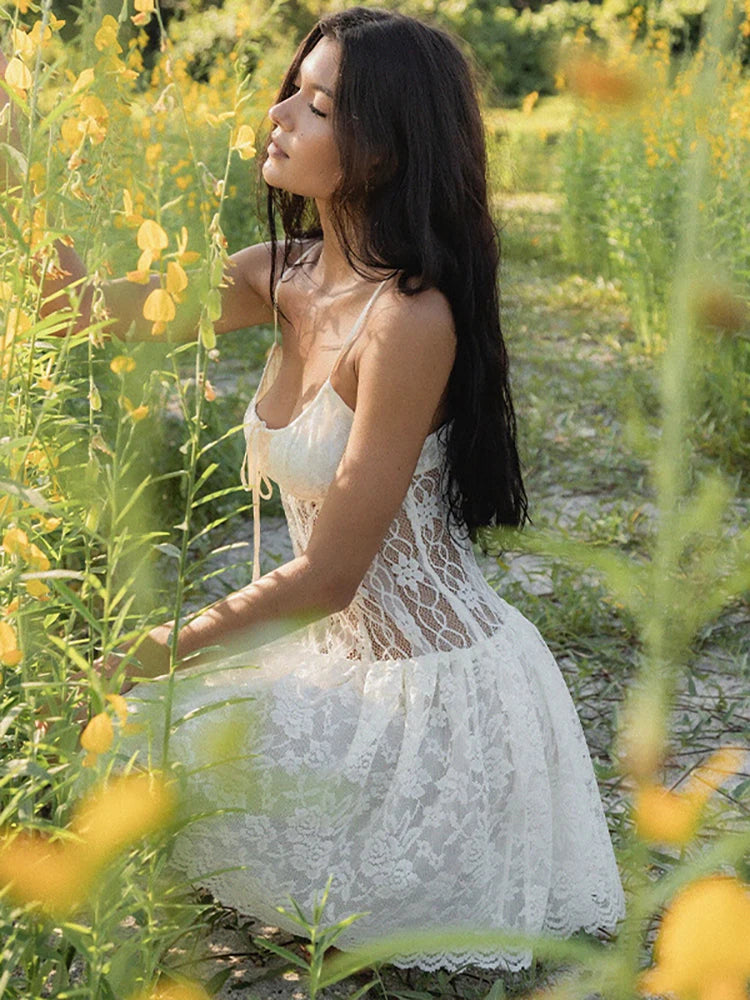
point(257, 484)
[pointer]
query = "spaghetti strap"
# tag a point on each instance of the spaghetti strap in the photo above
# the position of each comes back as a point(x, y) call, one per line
point(361, 318)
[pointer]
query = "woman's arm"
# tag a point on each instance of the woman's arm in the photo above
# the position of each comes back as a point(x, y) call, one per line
point(403, 371)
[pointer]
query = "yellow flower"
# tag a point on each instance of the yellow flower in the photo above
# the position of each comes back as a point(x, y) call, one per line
point(244, 142)
point(176, 278)
point(151, 238)
point(159, 306)
point(132, 218)
point(122, 364)
point(85, 79)
point(17, 74)
point(37, 588)
point(10, 654)
point(49, 523)
point(37, 559)
point(702, 950)
point(185, 256)
point(106, 36)
point(139, 277)
point(145, 9)
point(16, 542)
point(22, 43)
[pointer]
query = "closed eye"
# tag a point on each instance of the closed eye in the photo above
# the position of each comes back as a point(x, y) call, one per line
point(315, 111)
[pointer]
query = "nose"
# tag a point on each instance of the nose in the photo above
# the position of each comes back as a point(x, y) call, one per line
point(279, 115)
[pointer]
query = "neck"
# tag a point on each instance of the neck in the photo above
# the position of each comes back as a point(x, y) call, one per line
point(332, 270)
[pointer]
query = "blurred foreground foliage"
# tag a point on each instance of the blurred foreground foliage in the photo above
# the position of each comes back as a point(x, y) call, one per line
point(118, 464)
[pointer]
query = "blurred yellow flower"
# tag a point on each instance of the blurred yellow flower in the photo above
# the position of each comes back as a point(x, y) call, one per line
point(124, 811)
point(529, 102)
point(122, 364)
point(702, 950)
point(17, 75)
point(10, 654)
point(34, 869)
point(120, 706)
point(138, 413)
point(673, 817)
point(170, 989)
point(58, 875)
point(159, 306)
point(106, 36)
point(244, 142)
point(97, 737)
point(592, 78)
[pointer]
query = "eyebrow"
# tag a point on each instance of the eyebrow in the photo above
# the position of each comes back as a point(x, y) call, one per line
point(317, 86)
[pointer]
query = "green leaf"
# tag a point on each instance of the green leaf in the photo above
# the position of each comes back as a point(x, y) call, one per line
point(497, 992)
point(282, 953)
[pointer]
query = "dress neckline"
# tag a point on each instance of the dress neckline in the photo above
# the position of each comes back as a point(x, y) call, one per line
point(348, 340)
point(319, 392)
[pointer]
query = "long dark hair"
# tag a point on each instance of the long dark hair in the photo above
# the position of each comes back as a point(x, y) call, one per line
point(413, 201)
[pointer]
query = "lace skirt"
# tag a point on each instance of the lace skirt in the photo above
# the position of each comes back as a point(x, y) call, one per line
point(450, 790)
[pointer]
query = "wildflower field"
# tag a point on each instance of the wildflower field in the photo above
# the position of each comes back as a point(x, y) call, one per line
point(627, 245)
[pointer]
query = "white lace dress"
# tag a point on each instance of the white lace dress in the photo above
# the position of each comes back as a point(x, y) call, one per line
point(420, 746)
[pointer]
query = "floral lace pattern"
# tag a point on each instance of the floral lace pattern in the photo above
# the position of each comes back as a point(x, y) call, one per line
point(420, 746)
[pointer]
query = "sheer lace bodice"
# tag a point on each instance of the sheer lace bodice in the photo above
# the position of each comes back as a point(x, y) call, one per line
point(424, 591)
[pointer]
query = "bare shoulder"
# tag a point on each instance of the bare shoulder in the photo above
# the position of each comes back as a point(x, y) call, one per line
point(416, 327)
point(252, 265)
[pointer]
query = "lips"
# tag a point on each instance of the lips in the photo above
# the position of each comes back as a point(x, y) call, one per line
point(275, 150)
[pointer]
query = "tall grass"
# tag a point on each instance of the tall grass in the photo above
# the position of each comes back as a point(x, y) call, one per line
point(85, 541)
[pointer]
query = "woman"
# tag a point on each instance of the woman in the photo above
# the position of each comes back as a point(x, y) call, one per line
point(395, 724)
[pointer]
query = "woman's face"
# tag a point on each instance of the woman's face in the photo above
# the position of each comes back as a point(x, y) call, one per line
point(302, 157)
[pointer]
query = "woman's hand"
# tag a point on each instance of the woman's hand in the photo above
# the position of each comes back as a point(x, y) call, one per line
point(137, 659)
